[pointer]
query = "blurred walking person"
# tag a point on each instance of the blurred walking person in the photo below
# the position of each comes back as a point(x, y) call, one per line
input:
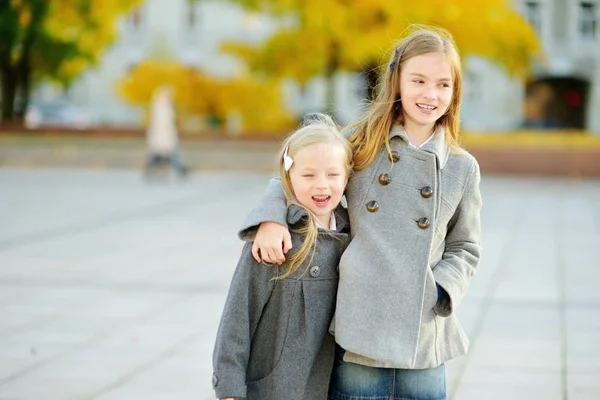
point(163, 143)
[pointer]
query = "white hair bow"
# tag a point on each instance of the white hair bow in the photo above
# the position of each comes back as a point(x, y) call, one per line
point(287, 160)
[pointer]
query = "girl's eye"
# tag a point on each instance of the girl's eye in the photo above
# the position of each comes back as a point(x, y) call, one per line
point(308, 175)
point(418, 81)
point(446, 85)
point(334, 174)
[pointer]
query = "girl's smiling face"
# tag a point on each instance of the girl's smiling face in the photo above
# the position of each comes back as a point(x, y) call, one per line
point(425, 90)
point(318, 177)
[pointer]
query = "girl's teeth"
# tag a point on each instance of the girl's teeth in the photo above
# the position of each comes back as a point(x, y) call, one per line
point(426, 107)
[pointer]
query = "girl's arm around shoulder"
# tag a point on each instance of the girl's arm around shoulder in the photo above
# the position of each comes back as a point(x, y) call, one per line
point(267, 226)
point(271, 208)
point(250, 289)
point(463, 244)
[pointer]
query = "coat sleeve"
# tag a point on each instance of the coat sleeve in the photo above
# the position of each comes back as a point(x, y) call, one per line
point(463, 246)
point(271, 208)
point(250, 289)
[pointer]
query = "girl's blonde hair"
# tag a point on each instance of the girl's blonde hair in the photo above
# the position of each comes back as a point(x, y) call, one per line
point(386, 110)
point(316, 128)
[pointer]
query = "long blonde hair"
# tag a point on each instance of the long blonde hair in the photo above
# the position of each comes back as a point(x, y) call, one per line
point(317, 128)
point(373, 129)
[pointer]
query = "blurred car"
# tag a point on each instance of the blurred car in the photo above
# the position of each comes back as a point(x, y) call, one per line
point(57, 115)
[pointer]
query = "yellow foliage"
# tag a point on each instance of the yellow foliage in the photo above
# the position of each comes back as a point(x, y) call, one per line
point(138, 87)
point(495, 31)
point(258, 103)
point(24, 17)
point(296, 54)
point(92, 29)
point(353, 34)
point(73, 67)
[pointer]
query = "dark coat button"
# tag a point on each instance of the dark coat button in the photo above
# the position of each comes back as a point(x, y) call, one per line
point(423, 223)
point(315, 271)
point(385, 179)
point(426, 192)
point(372, 206)
point(394, 157)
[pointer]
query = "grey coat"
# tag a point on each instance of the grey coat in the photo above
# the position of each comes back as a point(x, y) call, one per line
point(414, 227)
point(273, 340)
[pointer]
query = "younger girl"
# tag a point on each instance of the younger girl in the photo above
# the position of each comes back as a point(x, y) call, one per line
point(273, 340)
point(414, 207)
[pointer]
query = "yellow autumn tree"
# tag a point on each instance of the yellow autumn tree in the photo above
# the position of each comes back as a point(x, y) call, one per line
point(90, 25)
point(52, 39)
point(494, 30)
point(258, 103)
point(327, 36)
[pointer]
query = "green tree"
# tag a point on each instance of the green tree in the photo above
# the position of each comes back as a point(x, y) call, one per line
point(55, 40)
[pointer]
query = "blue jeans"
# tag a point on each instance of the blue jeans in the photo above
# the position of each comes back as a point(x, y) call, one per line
point(357, 382)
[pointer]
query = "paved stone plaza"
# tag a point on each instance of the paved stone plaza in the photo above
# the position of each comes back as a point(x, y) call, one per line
point(111, 287)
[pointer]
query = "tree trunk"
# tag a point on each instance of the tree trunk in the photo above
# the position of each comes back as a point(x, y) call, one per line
point(24, 87)
point(23, 70)
point(9, 90)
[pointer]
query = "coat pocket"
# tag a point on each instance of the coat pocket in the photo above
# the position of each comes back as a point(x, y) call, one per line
point(275, 384)
point(431, 293)
point(269, 386)
point(269, 339)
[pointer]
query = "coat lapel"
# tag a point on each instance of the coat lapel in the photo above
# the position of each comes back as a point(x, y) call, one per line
point(437, 145)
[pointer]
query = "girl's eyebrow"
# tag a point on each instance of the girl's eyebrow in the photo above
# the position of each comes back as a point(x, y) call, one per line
point(423, 76)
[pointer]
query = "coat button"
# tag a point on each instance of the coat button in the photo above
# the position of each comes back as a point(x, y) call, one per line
point(394, 157)
point(423, 223)
point(372, 206)
point(426, 192)
point(385, 179)
point(315, 271)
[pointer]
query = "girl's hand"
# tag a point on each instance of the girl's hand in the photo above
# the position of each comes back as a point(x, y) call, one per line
point(272, 242)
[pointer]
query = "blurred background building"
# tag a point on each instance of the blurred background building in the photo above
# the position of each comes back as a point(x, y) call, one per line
point(562, 90)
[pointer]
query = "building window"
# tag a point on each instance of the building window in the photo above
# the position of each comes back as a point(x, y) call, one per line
point(533, 14)
point(588, 21)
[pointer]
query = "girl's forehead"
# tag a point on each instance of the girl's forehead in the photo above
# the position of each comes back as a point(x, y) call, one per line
point(320, 150)
point(428, 64)
point(321, 146)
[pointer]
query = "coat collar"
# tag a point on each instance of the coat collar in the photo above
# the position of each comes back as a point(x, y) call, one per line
point(437, 145)
point(295, 213)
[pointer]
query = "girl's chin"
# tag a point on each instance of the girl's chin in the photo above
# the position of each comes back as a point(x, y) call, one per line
point(425, 119)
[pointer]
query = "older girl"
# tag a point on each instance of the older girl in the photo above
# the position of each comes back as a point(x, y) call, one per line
point(414, 206)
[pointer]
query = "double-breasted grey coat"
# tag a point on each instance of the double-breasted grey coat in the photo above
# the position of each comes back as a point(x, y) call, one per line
point(273, 341)
point(415, 223)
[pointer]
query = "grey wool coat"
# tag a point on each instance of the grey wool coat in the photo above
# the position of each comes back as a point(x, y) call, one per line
point(415, 223)
point(273, 341)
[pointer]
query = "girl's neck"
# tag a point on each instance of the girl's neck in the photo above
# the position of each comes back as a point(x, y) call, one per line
point(324, 220)
point(418, 134)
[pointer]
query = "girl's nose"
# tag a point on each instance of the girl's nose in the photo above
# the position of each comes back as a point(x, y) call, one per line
point(322, 183)
point(430, 93)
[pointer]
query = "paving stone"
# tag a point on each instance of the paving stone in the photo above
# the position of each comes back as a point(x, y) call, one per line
point(112, 287)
